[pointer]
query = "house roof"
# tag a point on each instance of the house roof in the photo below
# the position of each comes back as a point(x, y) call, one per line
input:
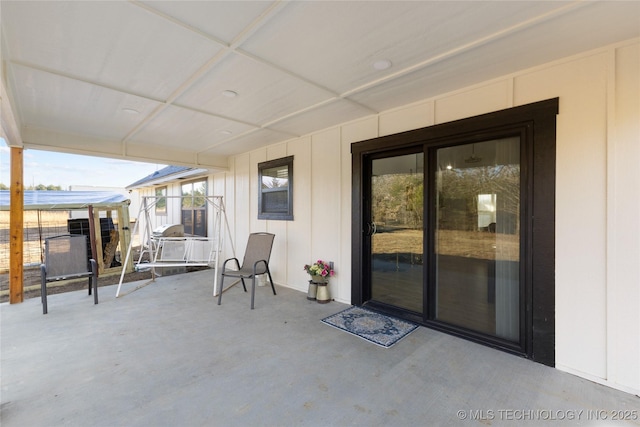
point(167, 174)
point(65, 200)
point(159, 174)
point(191, 83)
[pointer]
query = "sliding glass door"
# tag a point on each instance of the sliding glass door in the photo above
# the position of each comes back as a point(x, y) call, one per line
point(472, 271)
point(454, 227)
point(476, 236)
point(395, 227)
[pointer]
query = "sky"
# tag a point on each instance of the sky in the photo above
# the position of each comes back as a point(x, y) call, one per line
point(65, 170)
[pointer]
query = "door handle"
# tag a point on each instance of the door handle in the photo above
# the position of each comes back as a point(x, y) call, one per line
point(369, 229)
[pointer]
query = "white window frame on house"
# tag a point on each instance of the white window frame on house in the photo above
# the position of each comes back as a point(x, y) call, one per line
point(161, 201)
point(192, 202)
point(275, 184)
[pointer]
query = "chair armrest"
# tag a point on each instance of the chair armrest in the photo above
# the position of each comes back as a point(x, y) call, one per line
point(255, 265)
point(224, 265)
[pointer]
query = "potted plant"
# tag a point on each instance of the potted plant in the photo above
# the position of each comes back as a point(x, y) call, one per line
point(320, 271)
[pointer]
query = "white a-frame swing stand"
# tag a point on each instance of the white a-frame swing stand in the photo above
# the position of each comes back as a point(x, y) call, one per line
point(187, 251)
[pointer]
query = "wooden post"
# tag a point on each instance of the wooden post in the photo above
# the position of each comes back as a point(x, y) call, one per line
point(92, 239)
point(125, 236)
point(16, 231)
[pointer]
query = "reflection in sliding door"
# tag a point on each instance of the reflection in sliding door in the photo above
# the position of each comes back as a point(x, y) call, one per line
point(477, 237)
point(396, 226)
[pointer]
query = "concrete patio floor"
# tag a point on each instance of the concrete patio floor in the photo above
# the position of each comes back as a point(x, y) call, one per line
point(167, 355)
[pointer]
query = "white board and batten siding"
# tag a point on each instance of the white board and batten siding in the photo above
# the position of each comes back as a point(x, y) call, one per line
point(597, 203)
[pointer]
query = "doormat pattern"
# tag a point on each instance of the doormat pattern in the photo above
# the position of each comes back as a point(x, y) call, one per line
point(374, 327)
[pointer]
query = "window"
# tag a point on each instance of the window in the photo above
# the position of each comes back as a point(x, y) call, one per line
point(161, 200)
point(194, 208)
point(275, 193)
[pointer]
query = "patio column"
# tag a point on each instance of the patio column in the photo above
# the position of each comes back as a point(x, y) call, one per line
point(16, 231)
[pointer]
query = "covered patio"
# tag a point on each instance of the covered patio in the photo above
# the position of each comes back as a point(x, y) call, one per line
point(167, 355)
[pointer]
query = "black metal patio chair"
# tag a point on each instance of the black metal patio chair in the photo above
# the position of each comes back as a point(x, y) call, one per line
point(65, 257)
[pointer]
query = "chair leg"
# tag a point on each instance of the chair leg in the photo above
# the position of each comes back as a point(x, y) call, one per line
point(43, 292)
point(94, 282)
point(221, 288)
point(253, 290)
point(271, 281)
point(43, 288)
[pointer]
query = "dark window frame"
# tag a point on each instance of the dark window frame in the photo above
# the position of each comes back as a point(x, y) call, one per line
point(263, 211)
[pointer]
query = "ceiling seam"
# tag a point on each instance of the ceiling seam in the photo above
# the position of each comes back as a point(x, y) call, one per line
point(179, 91)
point(179, 23)
point(301, 111)
point(345, 96)
point(247, 133)
point(226, 50)
point(220, 116)
point(211, 63)
point(469, 46)
point(245, 35)
point(334, 94)
point(234, 47)
point(83, 80)
point(257, 23)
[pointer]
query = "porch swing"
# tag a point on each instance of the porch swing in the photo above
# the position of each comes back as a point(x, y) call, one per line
point(169, 247)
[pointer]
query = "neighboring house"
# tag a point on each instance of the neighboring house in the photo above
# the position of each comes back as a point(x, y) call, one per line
point(164, 205)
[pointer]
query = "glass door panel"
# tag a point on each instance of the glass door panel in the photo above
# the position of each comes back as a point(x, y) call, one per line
point(396, 229)
point(477, 237)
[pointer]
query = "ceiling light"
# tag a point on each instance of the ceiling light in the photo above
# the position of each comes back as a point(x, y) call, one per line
point(382, 64)
point(130, 110)
point(473, 158)
point(229, 93)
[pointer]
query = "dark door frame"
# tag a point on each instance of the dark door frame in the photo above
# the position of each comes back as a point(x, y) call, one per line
point(538, 122)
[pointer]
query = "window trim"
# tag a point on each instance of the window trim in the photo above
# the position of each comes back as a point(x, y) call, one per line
point(536, 121)
point(277, 216)
point(161, 212)
point(193, 208)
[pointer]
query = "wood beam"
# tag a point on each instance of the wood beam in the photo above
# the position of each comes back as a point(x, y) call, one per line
point(16, 230)
point(125, 237)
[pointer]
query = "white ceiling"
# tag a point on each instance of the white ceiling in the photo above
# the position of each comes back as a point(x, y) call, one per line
point(74, 69)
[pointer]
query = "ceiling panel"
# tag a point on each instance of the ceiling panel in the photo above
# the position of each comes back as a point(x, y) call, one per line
point(187, 129)
point(43, 101)
point(523, 49)
point(309, 37)
point(338, 111)
point(264, 93)
point(223, 20)
point(74, 67)
point(251, 141)
point(112, 43)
